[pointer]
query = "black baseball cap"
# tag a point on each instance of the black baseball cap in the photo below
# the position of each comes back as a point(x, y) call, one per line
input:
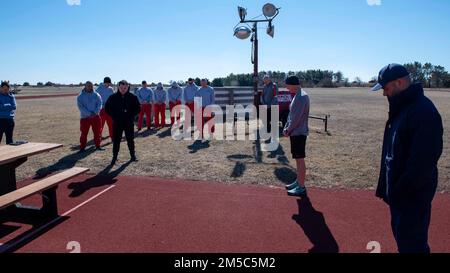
point(107, 80)
point(390, 73)
point(292, 80)
point(190, 80)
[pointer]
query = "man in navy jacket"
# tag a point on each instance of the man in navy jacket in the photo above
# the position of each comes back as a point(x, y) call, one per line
point(412, 146)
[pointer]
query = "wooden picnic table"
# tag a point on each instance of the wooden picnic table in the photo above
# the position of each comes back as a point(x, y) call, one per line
point(11, 157)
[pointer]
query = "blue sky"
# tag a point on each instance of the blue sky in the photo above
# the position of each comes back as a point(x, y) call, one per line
point(50, 40)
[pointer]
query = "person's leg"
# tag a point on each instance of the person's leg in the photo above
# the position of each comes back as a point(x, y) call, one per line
point(96, 129)
point(109, 121)
point(163, 114)
point(301, 171)
point(103, 117)
point(148, 114)
point(84, 128)
point(410, 228)
point(269, 119)
point(129, 134)
point(157, 123)
point(2, 128)
point(9, 131)
point(190, 105)
point(172, 116)
point(141, 117)
point(118, 132)
point(298, 188)
point(178, 111)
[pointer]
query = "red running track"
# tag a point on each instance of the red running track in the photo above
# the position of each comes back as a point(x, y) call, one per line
point(139, 214)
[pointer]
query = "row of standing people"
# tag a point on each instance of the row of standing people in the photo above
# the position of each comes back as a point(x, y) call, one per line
point(176, 96)
point(118, 110)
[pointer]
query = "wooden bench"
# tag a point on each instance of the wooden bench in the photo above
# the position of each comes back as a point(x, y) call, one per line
point(47, 187)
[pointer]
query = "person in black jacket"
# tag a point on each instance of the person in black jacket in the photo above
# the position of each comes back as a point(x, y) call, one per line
point(412, 146)
point(123, 107)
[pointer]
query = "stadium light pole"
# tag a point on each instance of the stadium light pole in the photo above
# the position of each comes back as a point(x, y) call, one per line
point(243, 32)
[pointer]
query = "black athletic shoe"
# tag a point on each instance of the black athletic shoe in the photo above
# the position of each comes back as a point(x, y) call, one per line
point(134, 158)
point(298, 191)
point(100, 149)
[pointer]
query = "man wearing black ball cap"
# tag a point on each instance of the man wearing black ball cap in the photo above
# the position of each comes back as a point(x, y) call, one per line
point(412, 147)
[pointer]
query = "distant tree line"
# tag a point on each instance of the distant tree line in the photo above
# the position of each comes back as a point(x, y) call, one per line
point(432, 76)
point(309, 78)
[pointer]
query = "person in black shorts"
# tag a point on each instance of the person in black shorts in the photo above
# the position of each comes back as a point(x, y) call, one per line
point(297, 130)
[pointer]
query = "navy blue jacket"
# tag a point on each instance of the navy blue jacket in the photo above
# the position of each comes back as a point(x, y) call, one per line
point(412, 147)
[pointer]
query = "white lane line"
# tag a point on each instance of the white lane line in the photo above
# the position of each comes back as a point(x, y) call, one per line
point(87, 201)
point(6, 247)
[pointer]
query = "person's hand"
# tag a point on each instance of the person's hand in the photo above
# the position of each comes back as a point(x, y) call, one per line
point(285, 133)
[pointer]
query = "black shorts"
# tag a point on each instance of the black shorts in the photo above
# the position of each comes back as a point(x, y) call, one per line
point(298, 146)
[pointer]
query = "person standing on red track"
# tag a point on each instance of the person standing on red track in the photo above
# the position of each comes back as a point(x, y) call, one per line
point(105, 91)
point(145, 96)
point(160, 106)
point(297, 129)
point(412, 147)
point(175, 93)
point(90, 103)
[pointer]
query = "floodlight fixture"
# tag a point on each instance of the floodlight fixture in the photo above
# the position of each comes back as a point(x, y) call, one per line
point(269, 10)
point(242, 13)
point(242, 32)
point(271, 30)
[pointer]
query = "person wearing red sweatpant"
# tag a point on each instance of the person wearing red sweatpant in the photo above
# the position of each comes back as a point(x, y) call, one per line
point(207, 97)
point(105, 91)
point(160, 106)
point(89, 103)
point(175, 92)
point(145, 97)
point(189, 94)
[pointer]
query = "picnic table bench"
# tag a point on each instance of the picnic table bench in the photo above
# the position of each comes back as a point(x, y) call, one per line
point(11, 157)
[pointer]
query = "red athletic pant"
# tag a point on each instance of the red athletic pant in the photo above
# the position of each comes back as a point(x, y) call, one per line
point(108, 120)
point(85, 124)
point(190, 105)
point(205, 120)
point(178, 114)
point(146, 109)
point(160, 112)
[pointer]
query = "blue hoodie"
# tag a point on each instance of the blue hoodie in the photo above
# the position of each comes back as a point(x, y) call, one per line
point(105, 93)
point(8, 106)
point(145, 95)
point(89, 104)
point(175, 93)
point(160, 95)
point(189, 92)
point(207, 95)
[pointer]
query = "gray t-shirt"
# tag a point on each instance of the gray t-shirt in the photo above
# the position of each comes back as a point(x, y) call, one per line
point(297, 122)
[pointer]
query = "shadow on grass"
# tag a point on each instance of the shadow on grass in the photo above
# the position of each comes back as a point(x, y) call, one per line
point(145, 133)
point(287, 175)
point(104, 178)
point(91, 144)
point(166, 133)
point(197, 146)
point(238, 170)
point(64, 163)
point(315, 228)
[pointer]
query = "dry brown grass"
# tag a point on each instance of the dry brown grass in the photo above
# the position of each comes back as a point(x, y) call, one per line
point(349, 157)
